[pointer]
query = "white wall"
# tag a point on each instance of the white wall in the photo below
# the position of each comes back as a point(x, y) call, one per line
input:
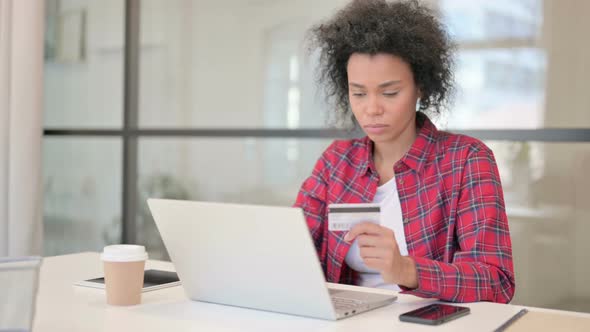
point(568, 105)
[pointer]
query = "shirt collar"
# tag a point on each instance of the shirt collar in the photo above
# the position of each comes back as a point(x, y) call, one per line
point(418, 153)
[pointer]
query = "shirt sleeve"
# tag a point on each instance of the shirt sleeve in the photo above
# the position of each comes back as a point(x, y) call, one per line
point(482, 268)
point(312, 199)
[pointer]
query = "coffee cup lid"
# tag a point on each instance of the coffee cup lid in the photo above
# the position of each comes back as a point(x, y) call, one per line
point(124, 253)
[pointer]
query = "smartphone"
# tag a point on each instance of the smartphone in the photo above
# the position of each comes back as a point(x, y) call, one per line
point(434, 314)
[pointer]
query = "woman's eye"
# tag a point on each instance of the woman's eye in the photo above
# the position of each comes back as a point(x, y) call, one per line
point(390, 94)
point(358, 94)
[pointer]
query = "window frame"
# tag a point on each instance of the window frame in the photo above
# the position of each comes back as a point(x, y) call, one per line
point(130, 133)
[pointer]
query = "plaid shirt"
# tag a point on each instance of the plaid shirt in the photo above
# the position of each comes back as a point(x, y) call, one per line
point(453, 212)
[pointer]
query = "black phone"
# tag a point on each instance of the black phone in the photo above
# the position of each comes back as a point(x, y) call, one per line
point(434, 314)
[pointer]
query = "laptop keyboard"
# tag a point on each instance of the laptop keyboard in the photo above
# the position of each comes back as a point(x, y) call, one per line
point(346, 303)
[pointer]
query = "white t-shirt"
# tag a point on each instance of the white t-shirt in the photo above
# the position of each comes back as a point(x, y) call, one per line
point(392, 218)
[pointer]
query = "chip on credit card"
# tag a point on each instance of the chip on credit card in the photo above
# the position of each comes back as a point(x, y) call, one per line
point(342, 217)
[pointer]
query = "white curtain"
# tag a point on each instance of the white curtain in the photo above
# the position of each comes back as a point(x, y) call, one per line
point(21, 100)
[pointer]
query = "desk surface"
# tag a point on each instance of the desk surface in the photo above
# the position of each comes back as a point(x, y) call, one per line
point(64, 307)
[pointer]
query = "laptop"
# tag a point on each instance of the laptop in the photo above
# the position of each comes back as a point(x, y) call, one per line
point(251, 256)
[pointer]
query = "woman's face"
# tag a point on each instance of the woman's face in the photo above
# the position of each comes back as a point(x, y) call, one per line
point(382, 95)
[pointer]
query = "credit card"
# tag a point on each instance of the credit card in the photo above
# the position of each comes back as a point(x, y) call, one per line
point(342, 217)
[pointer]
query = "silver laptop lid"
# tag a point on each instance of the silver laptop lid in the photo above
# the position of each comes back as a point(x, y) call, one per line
point(244, 255)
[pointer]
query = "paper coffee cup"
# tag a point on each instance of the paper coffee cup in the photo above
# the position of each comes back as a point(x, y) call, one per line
point(123, 273)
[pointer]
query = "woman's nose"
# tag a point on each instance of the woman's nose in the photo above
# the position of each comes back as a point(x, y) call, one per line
point(374, 106)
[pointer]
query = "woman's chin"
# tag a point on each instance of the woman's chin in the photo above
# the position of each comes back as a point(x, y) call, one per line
point(378, 138)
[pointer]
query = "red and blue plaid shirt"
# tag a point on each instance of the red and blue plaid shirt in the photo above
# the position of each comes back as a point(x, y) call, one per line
point(453, 212)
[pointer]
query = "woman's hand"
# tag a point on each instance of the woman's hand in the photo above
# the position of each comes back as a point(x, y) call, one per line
point(379, 251)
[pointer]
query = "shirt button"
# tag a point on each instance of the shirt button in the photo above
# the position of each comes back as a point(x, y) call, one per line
point(401, 181)
point(406, 220)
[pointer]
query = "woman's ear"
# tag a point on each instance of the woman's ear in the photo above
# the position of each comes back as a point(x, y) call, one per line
point(419, 97)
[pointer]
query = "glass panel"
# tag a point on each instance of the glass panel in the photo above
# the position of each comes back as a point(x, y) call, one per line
point(545, 190)
point(252, 171)
point(84, 63)
point(254, 73)
point(482, 20)
point(547, 199)
point(499, 88)
point(82, 185)
point(501, 66)
point(521, 64)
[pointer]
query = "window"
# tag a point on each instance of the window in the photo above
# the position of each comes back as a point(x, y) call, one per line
point(156, 99)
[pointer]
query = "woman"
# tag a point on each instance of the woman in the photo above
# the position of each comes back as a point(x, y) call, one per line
point(444, 231)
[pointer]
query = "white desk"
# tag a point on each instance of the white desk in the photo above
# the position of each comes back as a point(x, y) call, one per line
point(64, 307)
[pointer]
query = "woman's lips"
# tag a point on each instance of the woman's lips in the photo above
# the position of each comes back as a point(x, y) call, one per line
point(375, 128)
